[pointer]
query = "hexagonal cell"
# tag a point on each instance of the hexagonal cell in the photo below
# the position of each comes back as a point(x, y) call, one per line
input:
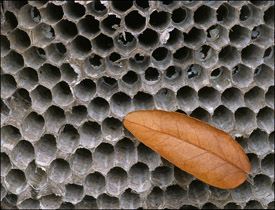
point(194, 38)
point(253, 204)
point(249, 15)
point(252, 55)
point(143, 101)
point(45, 150)
point(219, 194)
point(16, 181)
point(57, 53)
point(162, 176)
point(265, 119)
point(135, 21)
point(62, 94)
point(85, 89)
point(201, 114)
point(90, 134)
point(27, 78)
point(182, 178)
point(116, 181)
point(262, 185)
point(51, 201)
point(52, 13)
point(217, 36)
point(68, 139)
point(121, 7)
point(257, 142)
point(68, 74)
point(29, 16)
point(54, 118)
point(207, 56)
point(29, 204)
point(195, 76)
point(49, 75)
point(198, 192)
point(77, 115)
point(88, 26)
point(173, 75)
point(73, 193)
point(242, 75)
point(8, 85)
point(148, 39)
point(182, 18)
point(41, 98)
point(159, 19)
point(254, 98)
point(142, 4)
point(267, 166)
point(9, 201)
point(125, 153)
point(165, 99)
point(269, 16)
point(223, 118)
point(255, 163)
point(43, 35)
point(116, 63)
point(120, 104)
point(22, 154)
point(229, 56)
point(88, 202)
point(209, 97)
point(12, 62)
point(245, 120)
point(161, 57)
point(81, 161)
point(187, 98)
point(33, 126)
point(152, 75)
point(264, 76)
point(80, 47)
point(5, 165)
point(94, 65)
point(147, 156)
point(139, 177)
point(74, 10)
point(112, 128)
point(103, 44)
point(9, 135)
point(155, 199)
point(10, 23)
point(94, 184)
point(183, 55)
point(125, 42)
point(204, 16)
point(107, 202)
point(19, 40)
point(110, 24)
point(66, 30)
point(261, 35)
point(232, 98)
point(227, 15)
point(59, 170)
point(242, 193)
point(5, 45)
point(96, 8)
point(36, 177)
point(98, 109)
point(175, 39)
point(34, 57)
point(220, 77)
point(104, 157)
point(269, 96)
point(130, 82)
point(130, 199)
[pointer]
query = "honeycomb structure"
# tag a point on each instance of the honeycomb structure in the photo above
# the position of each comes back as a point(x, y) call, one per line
point(71, 71)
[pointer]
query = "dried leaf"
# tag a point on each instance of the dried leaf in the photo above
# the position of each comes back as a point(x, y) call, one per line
point(198, 148)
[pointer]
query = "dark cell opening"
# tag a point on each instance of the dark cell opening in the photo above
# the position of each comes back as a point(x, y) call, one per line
point(222, 13)
point(148, 37)
point(151, 74)
point(160, 53)
point(235, 70)
point(40, 52)
point(98, 6)
point(127, 39)
point(175, 36)
point(227, 53)
point(269, 16)
point(109, 81)
point(82, 44)
point(158, 19)
point(172, 72)
point(139, 57)
point(202, 14)
point(194, 36)
point(95, 60)
point(142, 4)
point(35, 14)
point(204, 51)
point(104, 42)
point(135, 21)
point(64, 88)
point(213, 32)
point(114, 57)
point(181, 53)
point(130, 78)
point(67, 29)
point(269, 51)
point(215, 73)
point(11, 19)
point(74, 10)
point(245, 13)
point(54, 13)
point(89, 25)
point(122, 5)
point(256, 33)
point(110, 23)
point(60, 48)
point(178, 15)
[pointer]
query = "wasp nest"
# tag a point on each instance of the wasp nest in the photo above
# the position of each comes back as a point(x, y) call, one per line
point(71, 71)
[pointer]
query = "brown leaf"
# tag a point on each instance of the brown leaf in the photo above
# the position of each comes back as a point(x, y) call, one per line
point(198, 148)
